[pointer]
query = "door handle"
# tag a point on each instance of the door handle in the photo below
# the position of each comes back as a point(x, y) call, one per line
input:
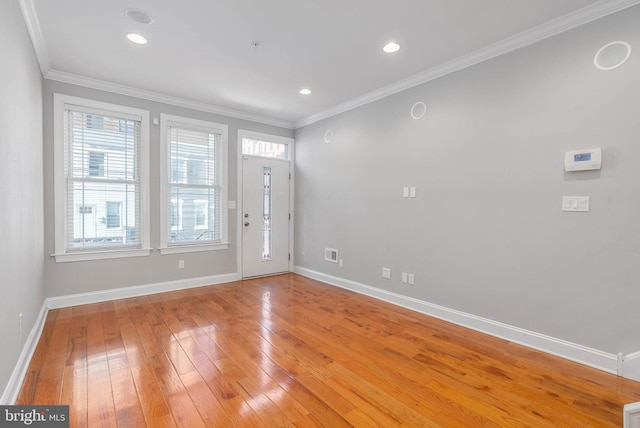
point(246, 223)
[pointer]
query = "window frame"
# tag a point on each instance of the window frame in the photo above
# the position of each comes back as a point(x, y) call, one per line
point(62, 253)
point(165, 171)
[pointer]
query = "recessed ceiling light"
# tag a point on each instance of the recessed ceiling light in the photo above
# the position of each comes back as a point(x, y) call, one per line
point(137, 38)
point(391, 47)
point(305, 91)
point(138, 15)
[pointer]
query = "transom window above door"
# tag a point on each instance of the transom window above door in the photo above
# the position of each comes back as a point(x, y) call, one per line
point(267, 149)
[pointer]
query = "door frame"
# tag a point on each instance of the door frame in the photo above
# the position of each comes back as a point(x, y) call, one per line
point(239, 188)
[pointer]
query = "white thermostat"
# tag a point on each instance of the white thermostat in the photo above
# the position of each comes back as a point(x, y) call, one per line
point(583, 160)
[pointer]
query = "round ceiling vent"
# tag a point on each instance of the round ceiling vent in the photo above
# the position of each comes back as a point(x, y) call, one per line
point(612, 55)
point(139, 16)
point(418, 110)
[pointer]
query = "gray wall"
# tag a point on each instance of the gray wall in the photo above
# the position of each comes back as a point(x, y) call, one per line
point(21, 215)
point(486, 234)
point(87, 276)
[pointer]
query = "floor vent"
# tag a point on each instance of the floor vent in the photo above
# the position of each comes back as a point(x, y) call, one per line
point(331, 255)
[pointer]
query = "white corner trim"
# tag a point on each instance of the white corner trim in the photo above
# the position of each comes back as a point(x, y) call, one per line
point(556, 26)
point(551, 345)
point(139, 290)
point(87, 82)
point(631, 366)
point(11, 391)
point(631, 415)
point(35, 33)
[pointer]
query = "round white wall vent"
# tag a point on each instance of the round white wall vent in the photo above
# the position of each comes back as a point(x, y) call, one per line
point(612, 55)
point(328, 136)
point(418, 110)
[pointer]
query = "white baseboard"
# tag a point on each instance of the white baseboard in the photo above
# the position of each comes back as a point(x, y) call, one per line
point(627, 366)
point(139, 290)
point(11, 391)
point(631, 366)
point(632, 415)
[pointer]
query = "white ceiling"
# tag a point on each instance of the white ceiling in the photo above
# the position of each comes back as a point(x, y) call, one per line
point(202, 50)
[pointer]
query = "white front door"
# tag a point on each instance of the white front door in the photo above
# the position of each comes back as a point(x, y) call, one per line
point(265, 216)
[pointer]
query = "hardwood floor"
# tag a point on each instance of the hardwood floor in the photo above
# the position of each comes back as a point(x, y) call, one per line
point(290, 351)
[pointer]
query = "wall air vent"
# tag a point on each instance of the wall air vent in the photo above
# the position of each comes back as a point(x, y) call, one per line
point(331, 255)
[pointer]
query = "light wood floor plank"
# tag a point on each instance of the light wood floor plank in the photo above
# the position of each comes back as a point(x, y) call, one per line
point(74, 384)
point(288, 351)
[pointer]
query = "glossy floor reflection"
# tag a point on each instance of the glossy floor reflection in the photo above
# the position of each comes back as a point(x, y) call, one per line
point(290, 351)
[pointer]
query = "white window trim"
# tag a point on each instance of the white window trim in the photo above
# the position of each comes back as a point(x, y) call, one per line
point(61, 254)
point(200, 125)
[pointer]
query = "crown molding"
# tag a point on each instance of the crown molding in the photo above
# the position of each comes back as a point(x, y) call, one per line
point(87, 82)
point(575, 19)
point(556, 26)
point(37, 40)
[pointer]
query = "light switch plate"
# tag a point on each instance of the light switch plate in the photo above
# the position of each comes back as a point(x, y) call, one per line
point(575, 203)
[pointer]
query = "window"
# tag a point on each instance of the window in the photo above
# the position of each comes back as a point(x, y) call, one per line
point(201, 214)
point(96, 164)
point(266, 213)
point(194, 193)
point(86, 210)
point(113, 215)
point(94, 121)
point(255, 146)
point(100, 158)
point(175, 214)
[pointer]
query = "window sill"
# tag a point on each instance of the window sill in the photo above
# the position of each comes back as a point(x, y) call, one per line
point(192, 248)
point(100, 255)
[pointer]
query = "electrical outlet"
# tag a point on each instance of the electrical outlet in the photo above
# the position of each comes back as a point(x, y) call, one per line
point(180, 264)
point(386, 273)
point(341, 263)
point(404, 277)
point(412, 279)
